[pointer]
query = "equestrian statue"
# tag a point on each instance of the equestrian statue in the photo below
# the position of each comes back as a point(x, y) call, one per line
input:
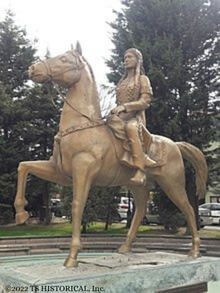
point(117, 151)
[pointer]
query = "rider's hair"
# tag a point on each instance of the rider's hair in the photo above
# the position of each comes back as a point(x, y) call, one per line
point(139, 70)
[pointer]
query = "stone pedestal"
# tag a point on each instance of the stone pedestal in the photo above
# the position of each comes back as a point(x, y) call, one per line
point(106, 272)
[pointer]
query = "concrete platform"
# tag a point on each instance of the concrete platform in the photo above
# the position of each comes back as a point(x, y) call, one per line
point(107, 272)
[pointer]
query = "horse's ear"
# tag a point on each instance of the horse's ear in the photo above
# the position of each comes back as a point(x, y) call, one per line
point(78, 48)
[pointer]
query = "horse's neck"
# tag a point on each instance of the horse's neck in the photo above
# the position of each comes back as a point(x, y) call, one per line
point(83, 97)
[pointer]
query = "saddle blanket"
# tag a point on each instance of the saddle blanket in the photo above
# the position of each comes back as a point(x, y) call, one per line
point(156, 150)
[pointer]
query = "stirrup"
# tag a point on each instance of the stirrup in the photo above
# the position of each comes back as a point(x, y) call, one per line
point(139, 178)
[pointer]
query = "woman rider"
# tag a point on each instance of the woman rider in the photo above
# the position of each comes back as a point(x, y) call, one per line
point(133, 96)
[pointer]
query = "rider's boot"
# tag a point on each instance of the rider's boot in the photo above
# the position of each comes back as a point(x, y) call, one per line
point(147, 140)
point(138, 155)
point(140, 161)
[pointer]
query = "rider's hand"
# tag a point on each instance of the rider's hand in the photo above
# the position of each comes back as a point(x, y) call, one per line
point(117, 110)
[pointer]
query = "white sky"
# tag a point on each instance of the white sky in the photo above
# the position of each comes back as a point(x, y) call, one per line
point(58, 23)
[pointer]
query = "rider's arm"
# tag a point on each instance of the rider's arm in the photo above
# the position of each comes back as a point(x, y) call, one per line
point(146, 94)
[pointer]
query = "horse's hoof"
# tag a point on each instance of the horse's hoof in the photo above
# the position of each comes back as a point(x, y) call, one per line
point(124, 249)
point(70, 262)
point(194, 254)
point(21, 218)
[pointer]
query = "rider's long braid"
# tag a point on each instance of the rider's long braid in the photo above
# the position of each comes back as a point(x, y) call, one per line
point(138, 72)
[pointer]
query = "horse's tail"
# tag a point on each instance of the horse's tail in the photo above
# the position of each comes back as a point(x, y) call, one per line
point(197, 159)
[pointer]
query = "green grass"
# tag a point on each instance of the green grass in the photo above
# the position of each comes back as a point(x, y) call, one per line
point(65, 229)
point(115, 228)
point(36, 230)
point(209, 233)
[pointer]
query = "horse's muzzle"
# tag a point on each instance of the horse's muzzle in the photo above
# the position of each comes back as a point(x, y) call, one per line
point(37, 74)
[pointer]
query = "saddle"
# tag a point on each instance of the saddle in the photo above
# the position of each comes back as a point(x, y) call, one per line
point(153, 145)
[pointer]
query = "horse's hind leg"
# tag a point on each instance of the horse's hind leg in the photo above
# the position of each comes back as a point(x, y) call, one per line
point(176, 192)
point(141, 197)
point(42, 169)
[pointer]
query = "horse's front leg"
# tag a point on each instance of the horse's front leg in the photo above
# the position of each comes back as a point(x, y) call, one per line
point(84, 167)
point(42, 169)
point(141, 197)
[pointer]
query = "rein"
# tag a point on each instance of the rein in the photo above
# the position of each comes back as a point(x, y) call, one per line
point(66, 101)
point(92, 122)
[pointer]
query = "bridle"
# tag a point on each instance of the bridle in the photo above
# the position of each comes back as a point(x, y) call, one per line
point(78, 66)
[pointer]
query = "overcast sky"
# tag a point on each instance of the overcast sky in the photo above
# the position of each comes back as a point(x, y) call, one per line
point(58, 23)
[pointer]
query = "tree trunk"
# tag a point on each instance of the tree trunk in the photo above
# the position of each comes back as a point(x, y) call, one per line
point(84, 228)
point(129, 212)
point(107, 218)
point(46, 204)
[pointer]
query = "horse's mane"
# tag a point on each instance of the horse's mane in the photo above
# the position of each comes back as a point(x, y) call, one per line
point(94, 83)
point(90, 68)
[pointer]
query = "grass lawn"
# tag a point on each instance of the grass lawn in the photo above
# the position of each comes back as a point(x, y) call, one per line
point(36, 230)
point(65, 229)
point(209, 233)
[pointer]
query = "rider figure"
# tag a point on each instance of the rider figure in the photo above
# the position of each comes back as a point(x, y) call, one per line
point(133, 96)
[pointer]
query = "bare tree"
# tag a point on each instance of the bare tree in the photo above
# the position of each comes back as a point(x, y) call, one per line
point(107, 99)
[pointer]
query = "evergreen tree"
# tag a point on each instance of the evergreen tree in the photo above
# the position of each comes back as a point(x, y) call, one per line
point(179, 40)
point(101, 205)
point(16, 54)
point(28, 120)
point(39, 128)
point(106, 204)
point(6, 109)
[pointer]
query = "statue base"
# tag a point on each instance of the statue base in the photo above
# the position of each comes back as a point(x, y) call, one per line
point(107, 272)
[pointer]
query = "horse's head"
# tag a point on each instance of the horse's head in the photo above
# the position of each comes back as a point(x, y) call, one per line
point(64, 69)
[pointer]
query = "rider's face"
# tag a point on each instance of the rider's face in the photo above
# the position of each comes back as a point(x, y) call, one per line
point(130, 60)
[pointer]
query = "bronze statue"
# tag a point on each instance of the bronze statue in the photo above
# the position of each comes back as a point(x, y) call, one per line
point(133, 96)
point(87, 153)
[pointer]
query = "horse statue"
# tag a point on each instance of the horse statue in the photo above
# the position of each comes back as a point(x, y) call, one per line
point(86, 154)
